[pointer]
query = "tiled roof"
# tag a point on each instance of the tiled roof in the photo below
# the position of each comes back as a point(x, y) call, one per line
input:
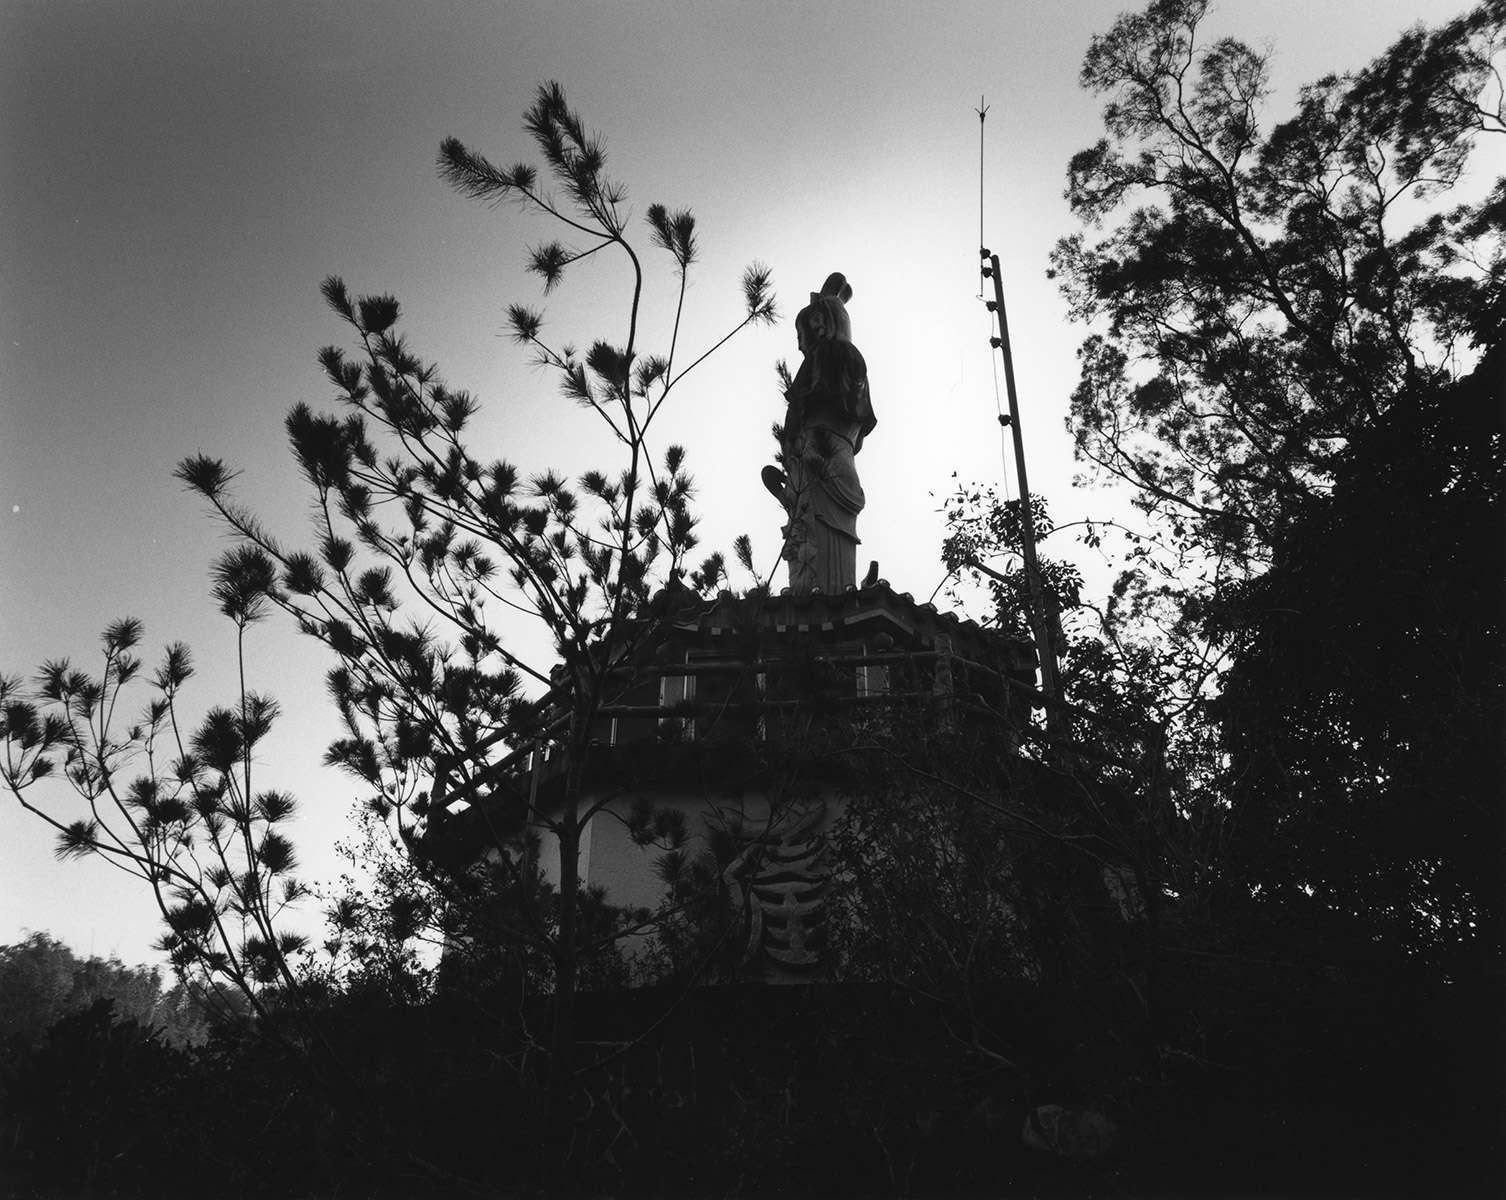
point(818, 611)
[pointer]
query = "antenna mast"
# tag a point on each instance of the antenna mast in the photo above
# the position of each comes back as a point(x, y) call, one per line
point(1038, 613)
point(982, 111)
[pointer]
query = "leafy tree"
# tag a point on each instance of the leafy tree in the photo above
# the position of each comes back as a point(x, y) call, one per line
point(1138, 677)
point(1364, 710)
point(1266, 301)
point(42, 981)
point(36, 984)
point(424, 553)
point(1281, 318)
point(1115, 679)
point(172, 804)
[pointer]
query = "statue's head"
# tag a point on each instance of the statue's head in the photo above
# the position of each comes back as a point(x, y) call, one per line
point(813, 325)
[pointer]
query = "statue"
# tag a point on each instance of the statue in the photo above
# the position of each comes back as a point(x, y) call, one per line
point(828, 413)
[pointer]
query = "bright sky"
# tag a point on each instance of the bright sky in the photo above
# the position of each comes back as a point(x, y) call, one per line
point(176, 178)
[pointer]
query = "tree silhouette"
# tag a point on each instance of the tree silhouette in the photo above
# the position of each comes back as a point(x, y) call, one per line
point(1281, 318)
point(423, 550)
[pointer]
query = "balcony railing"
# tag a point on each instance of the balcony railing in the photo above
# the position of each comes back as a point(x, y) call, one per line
point(710, 699)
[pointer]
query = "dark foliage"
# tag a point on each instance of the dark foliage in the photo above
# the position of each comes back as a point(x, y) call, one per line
point(1367, 699)
point(1272, 1079)
point(42, 981)
point(1279, 375)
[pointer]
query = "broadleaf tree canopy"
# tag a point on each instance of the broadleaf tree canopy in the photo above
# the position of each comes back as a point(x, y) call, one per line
point(1291, 365)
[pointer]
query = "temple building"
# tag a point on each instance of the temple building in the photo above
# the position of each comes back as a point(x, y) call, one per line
point(725, 693)
point(746, 834)
point(720, 726)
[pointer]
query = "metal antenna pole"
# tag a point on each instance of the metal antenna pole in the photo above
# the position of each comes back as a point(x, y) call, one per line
point(1040, 617)
point(982, 111)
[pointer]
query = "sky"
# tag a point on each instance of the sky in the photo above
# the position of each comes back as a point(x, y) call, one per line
point(177, 177)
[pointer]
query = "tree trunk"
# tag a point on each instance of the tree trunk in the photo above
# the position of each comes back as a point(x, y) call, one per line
point(566, 966)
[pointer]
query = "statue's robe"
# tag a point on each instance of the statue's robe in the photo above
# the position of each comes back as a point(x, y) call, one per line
point(829, 412)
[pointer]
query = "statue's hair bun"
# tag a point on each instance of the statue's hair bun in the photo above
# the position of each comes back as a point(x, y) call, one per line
point(836, 285)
